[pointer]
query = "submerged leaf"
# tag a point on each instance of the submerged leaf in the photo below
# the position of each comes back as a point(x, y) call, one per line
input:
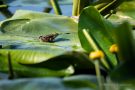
point(50, 83)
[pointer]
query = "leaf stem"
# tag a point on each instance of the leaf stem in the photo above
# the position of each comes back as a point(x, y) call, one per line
point(82, 4)
point(47, 9)
point(3, 6)
point(56, 7)
point(117, 58)
point(112, 5)
point(75, 7)
point(11, 73)
point(4, 10)
point(114, 50)
point(78, 6)
point(0, 46)
point(94, 46)
point(98, 74)
point(90, 40)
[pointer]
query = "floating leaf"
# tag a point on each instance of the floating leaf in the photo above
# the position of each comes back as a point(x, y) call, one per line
point(25, 29)
point(31, 57)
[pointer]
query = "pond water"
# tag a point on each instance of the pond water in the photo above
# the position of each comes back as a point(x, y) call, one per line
point(66, 9)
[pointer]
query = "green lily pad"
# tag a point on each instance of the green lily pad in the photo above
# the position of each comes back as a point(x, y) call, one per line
point(26, 28)
point(20, 37)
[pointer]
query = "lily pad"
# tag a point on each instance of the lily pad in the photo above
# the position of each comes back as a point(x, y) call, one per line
point(20, 37)
point(27, 27)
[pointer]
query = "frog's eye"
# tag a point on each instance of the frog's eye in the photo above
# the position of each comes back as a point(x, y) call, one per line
point(40, 37)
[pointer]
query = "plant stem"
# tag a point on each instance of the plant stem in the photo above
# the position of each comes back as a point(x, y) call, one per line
point(4, 10)
point(94, 46)
point(47, 9)
point(110, 6)
point(117, 58)
point(0, 46)
point(82, 4)
point(56, 7)
point(114, 50)
point(11, 73)
point(90, 40)
point(98, 74)
point(3, 6)
point(75, 7)
point(78, 6)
